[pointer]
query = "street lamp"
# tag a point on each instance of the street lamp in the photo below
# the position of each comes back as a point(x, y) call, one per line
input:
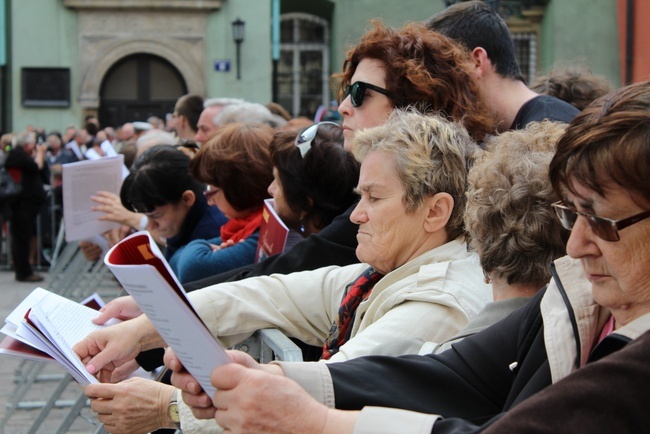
point(238, 37)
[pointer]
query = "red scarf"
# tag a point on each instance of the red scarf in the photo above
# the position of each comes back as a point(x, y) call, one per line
point(341, 329)
point(239, 229)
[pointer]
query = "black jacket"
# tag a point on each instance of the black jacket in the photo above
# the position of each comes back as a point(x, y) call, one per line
point(472, 384)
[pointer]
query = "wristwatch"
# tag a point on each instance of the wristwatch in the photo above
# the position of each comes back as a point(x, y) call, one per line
point(172, 410)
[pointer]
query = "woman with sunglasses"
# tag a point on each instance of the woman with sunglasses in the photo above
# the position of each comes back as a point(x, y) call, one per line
point(313, 177)
point(388, 69)
point(597, 303)
point(236, 166)
point(412, 66)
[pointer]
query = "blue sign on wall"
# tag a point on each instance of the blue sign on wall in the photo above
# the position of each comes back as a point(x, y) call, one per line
point(222, 65)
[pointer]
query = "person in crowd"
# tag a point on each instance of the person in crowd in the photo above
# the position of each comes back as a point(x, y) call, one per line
point(236, 166)
point(161, 187)
point(416, 277)
point(511, 225)
point(248, 112)
point(153, 138)
point(596, 304)
point(313, 177)
point(574, 84)
point(187, 111)
point(278, 110)
point(69, 133)
point(26, 164)
point(56, 153)
point(484, 33)
point(207, 125)
point(185, 119)
point(78, 144)
point(411, 66)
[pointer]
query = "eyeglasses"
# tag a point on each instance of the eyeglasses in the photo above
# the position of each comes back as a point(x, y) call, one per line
point(211, 191)
point(304, 139)
point(604, 228)
point(357, 92)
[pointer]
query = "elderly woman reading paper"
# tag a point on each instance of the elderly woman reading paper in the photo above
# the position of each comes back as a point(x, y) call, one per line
point(597, 302)
point(417, 277)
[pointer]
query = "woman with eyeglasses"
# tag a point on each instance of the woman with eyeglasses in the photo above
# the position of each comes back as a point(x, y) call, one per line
point(236, 166)
point(161, 188)
point(597, 303)
point(313, 177)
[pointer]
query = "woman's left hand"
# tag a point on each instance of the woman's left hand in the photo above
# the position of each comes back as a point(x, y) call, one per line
point(132, 406)
point(223, 245)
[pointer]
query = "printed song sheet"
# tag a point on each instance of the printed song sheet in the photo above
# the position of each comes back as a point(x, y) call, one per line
point(138, 264)
point(81, 180)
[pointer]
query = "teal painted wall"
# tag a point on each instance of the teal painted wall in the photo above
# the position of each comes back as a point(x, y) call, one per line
point(351, 19)
point(44, 34)
point(256, 65)
point(583, 31)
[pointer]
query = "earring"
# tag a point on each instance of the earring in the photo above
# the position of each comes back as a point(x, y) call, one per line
point(487, 279)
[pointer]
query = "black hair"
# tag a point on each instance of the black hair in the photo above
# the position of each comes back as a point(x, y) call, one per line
point(476, 24)
point(322, 182)
point(158, 177)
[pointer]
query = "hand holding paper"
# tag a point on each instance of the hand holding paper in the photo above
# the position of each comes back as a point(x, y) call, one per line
point(106, 349)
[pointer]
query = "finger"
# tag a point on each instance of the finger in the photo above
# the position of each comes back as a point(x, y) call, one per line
point(103, 391)
point(228, 376)
point(184, 381)
point(201, 400)
point(204, 413)
point(171, 361)
point(103, 360)
point(242, 358)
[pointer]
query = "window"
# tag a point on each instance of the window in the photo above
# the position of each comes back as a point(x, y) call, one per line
point(45, 87)
point(526, 52)
point(303, 69)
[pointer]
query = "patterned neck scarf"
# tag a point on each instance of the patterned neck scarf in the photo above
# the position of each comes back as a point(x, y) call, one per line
point(357, 291)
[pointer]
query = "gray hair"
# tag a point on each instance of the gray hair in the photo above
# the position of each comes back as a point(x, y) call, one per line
point(153, 138)
point(24, 138)
point(221, 102)
point(431, 156)
point(248, 113)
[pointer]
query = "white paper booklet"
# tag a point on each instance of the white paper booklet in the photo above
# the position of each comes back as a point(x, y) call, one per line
point(141, 268)
point(81, 180)
point(46, 326)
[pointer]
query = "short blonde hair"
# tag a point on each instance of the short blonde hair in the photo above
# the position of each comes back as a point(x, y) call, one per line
point(431, 156)
point(509, 215)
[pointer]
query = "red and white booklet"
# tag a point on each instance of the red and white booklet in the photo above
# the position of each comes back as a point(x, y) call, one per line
point(141, 268)
point(275, 237)
point(45, 326)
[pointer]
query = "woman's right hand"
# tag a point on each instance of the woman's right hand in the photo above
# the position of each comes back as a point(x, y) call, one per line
point(122, 308)
point(111, 205)
point(104, 350)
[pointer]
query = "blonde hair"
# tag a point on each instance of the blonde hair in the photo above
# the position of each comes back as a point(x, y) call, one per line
point(431, 156)
point(509, 215)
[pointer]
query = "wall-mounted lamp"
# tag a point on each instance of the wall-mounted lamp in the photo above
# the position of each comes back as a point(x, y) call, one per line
point(238, 37)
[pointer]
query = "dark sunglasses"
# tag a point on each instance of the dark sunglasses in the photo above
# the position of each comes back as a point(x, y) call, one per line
point(304, 139)
point(357, 92)
point(604, 228)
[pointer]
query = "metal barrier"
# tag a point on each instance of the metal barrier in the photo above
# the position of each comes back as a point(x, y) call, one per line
point(47, 389)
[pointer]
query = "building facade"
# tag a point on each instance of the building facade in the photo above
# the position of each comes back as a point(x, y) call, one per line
point(125, 60)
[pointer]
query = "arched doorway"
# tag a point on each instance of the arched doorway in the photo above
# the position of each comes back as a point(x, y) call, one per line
point(139, 86)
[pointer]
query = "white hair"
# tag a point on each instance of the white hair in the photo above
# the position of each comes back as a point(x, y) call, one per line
point(248, 113)
point(222, 102)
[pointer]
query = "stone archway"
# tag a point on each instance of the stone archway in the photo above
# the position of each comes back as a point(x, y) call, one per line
point(189, 68)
